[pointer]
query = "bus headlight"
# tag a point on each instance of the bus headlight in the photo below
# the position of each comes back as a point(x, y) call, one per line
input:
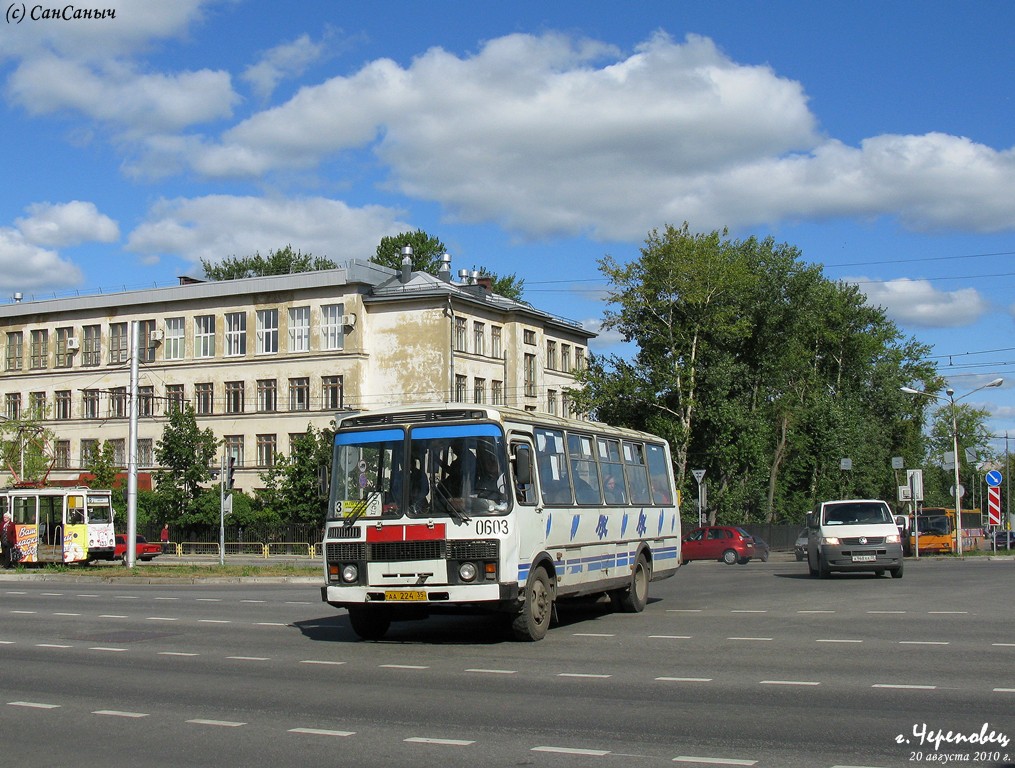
point(467, 571)
point(350, 574)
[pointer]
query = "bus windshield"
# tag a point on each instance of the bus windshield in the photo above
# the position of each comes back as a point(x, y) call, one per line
point(442, 471)
point(934, 524)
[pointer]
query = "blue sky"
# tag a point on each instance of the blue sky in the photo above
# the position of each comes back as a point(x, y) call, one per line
point(532, 138)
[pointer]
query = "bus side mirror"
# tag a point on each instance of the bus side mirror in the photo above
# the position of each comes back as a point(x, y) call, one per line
point(523, 465)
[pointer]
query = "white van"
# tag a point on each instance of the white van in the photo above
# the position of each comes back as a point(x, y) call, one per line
point(853, 535)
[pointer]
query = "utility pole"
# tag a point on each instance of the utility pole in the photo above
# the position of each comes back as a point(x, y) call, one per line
point(135, 347)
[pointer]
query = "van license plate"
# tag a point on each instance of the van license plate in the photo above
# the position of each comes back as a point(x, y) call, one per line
point(403, 594)
point(864, 558)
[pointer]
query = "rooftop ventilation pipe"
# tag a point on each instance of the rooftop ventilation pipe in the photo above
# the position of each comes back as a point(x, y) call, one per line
point(444, 273)
point(18, 297)
point(406, 263)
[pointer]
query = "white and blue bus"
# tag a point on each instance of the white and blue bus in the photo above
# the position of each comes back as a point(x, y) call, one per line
point(493, 508)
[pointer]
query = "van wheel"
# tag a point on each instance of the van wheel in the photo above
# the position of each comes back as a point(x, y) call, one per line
point(896, 572)
point(634, 598)
point(730, 557)
point(823, 570)
point(533, 619)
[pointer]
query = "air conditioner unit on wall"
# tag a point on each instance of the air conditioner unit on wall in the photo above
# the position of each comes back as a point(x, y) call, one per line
point(349, 320)
point(73, 344)
point(156, 336)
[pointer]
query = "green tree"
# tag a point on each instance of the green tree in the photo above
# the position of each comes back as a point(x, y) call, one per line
point(292, 487)
point(427, 251)
point(974, 451)
point(24, 448)
point(102, 465)
point(284, 261)
point(187, 453)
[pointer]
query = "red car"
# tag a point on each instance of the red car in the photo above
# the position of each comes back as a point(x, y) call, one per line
point(725, 543)
point(143, 549)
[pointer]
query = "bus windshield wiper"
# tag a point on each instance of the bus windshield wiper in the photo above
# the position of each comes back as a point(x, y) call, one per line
point(351, 519)
point(448, 504)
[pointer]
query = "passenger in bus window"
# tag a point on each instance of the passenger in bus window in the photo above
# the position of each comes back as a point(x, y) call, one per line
point(613, 490)
point(490, 483)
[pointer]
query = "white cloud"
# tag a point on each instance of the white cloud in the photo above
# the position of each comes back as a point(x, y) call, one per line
point(281, 62)
point(219, 226)
point(917, 304)
point(25, 266)
point(72, 223)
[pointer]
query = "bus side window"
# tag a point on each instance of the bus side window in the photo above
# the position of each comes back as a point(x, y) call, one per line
point(522, 474)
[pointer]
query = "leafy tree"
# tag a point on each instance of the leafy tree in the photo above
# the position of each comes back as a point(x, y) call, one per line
point(281, 262)
point(974, 440)
point(292, 485)
point(24, 448)
point(187, 453)
point(102, 466)
point(757, 369)
point(427, 251)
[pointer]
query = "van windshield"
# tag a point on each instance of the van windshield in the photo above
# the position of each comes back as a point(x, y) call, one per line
point(857, 513)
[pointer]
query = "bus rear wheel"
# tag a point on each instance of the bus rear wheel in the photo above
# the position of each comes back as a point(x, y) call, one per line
point(369, 623)
point(634, 598)
point(533, 620)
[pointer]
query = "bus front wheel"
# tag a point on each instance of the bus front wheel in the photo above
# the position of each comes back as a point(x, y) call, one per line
point(369, 623)
point(533, 620)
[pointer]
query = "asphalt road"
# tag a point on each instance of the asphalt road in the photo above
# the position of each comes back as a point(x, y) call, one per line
point(729, 665)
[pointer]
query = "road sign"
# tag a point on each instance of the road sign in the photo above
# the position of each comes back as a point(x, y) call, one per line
point(699, 474)
point(914, 479)
point(994, 505)
point(993, 478)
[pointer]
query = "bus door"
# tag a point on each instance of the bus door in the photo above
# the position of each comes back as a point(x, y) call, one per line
point(25, 510)
point(75, 532)
point(529, 535)
point(51, 529)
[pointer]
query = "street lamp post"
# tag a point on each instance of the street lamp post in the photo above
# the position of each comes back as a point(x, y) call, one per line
point(951, 400)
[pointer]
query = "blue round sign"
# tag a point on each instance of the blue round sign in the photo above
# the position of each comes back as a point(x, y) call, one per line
point(993, 478)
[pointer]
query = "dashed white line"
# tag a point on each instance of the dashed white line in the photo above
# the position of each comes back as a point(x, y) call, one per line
point(494, 671)
point(167, 598)
point(271, 624)
point(592, 634)
point(219, 723)
point(713, 760)
point(922, 642)
point(746, 610)
point(32, 705)
point(948, 613)
point(209, 599)
point(112, 616)
point(117, 713)
point(582, 674)
point(52, 645)
point(748, 638)
point(108, 650)
point(669, 637)
point(815, 611)
point(23, 612)
point(572, 751)
point(886, 612)
point(162, 618)
point(402, 666)
point(1004, 690)
point(176, 653)
point(905, 687)
point(440, 742)
point(685, 679)
point(249, 658)
point(836, 640)
point(321, 732)
point(316, 661)
point(66, 614)
point(213, 621)
point(789, 682)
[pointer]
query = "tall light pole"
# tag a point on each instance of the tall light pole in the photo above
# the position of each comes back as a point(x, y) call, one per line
point(951, 400)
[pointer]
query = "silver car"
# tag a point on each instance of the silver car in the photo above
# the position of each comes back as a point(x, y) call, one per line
point(800, 547)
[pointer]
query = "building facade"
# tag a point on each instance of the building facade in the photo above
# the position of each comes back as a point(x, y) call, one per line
point(260, 359)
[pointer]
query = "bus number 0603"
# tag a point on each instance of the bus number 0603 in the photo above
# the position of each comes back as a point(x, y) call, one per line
point(492, 527)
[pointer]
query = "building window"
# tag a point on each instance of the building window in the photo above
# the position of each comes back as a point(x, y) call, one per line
point(267, 395)
point(528, 336)
point(37, 405)
point(479, 390)
point(299, 329)
point(234, 449)
point(332, 330)
point(13, 403)
point(88, 448)
point(236, 334)
point(61, 454)
point(551, 355)
point(461, 384)
point(332, 393)
point(40, 349)
point(175, 342)
point(551, 402)
point(565, 358)
point(267, 331)
point(579, 359)
point(204, 336)
point(146, 400)
point(15, 351)
point(174, 397)
point(91, 348)
point(118, 344)
point(147, 341)
point(460, 332)
point(530, 375)
point(145, 452)
point(479, 338)
point(204, 398)
point(63, 355)
point(496, 344)
point(266, 450)
point(497, 392)
point(118, 403)
point(299, 394)
point(90, 403)
point(119, 452)
point(234, 397)
point(62, 404)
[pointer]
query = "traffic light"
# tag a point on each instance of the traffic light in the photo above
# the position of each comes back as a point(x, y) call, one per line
point(230, 471)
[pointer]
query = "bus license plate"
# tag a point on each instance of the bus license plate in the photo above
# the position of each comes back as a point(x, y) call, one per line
point(403, 595)
point(864, 558)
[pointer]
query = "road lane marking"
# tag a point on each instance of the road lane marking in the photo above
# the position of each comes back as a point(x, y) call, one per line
point(271, 624)
point(213, 621)
point(32, 705)
point(572, 751)
point(789, 682)
point(685, 679)
point(167, 598)
point(25, 612)
point(683, 610)
point(125, 597)
point(315, 661)
point(747, 610)
point(922, 642)
point(905, 687)
point(669, 637)
point(66, 614)
point(1004, 690)
point(885, 612)
point(440, 742)
point(51, 594)
point(834, 640)
point(713, 760)
point(253, 601)
point(948, 613)
point(249, 658)
point(109, 650)
point(219, 723)
point(592, 634)
point(402, 666)
point(494, 671)
point(162, 618)
point(52, 645)
point(748, 638)
point(321, 732)
point(112, 616)
point(582, 674)
point(815, 611)
point(209, 599)
point(176, 653)
point(117, 713)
